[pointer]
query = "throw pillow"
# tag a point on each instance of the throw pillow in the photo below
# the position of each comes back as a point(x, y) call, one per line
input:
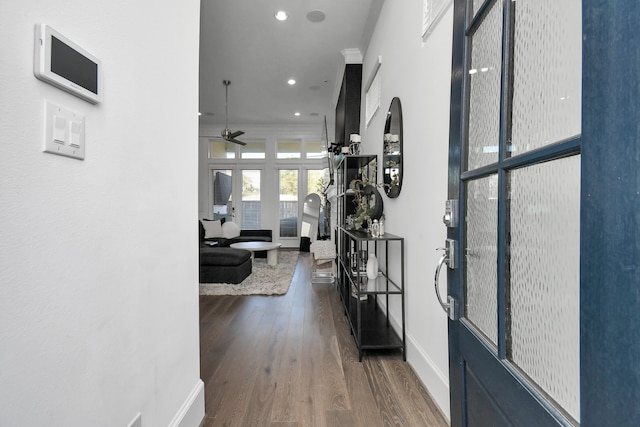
point(230, 230)
point(212, 229)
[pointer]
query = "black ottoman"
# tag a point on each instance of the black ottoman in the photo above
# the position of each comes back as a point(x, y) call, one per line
point(224, 265)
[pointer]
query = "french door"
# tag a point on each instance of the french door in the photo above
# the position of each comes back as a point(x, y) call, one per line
point(294, 184)
point(235, 195)
point(516, 153)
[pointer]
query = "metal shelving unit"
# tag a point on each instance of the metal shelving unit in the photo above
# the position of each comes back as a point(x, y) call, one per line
point(366, 303)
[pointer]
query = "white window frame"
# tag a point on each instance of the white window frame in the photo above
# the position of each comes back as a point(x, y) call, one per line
point(432, 12)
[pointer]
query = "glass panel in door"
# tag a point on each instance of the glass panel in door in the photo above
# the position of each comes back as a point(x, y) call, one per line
point(316, 181)
point(221, 194)
point(251, 199)
point(288, 202)
point(484, 96)
point(544, 278)
point(548, 71)
point(543, 216)
point(481, 253)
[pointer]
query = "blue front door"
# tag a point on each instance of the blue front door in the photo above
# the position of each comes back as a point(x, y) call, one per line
point(516, 357)
point(527, 162)
point(610, 215)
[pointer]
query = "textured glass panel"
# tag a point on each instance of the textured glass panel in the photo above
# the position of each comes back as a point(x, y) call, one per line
point(484, 101)
point(481, 253)
point(545, 277)
point(547, 72)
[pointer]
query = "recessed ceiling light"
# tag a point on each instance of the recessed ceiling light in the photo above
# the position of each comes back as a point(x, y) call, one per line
point(316, 16)
point(291, 82)
point(297, 114)
point(199, 113)
point(281, 15)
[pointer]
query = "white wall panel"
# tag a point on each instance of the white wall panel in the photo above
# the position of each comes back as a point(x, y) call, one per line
point(98, 270)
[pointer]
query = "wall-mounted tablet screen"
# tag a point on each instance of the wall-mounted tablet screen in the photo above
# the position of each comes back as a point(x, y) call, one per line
point(64, 64)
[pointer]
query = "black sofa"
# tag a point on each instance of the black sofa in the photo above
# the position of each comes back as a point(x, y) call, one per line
point(224, 265)
point(221, 264)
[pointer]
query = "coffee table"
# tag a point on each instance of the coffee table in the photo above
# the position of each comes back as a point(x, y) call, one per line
point(270, 247)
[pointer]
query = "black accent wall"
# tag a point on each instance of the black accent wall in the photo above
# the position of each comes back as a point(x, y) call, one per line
point(348, 106)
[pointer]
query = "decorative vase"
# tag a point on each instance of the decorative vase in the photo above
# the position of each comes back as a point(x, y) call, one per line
point(372, 272)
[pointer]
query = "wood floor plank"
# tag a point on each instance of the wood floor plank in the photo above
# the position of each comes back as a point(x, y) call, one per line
point(337, 418)
point(388, 403)
point(417, 402)
point(310, 407)
point(365, 408)
point(336, 396)
point(211, 331)
point(348, 349)
point(266, 384)
point(290, 361)
point(236, 377)
point(288, 372)
point(219, 336)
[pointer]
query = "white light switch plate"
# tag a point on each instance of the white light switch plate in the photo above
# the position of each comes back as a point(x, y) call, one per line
point(64, 131)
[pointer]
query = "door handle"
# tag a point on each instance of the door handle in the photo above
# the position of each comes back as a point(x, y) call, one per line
point(448, 258)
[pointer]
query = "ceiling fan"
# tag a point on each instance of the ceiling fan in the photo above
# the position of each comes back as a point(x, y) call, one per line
point(226, 134)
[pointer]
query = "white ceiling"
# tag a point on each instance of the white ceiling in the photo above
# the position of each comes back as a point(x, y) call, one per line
point(241, 41)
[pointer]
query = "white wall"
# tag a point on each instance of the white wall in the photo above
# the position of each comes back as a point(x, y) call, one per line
point(418, 73)
point(98, 258)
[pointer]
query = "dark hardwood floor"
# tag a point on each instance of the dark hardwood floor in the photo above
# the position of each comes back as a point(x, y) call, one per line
point(290, 361)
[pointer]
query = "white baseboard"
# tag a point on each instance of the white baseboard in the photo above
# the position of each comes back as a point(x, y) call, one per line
point(434, 381)
point(432, 378)
point(191, 413)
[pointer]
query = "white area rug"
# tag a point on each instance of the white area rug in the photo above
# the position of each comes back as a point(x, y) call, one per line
point(263, 280)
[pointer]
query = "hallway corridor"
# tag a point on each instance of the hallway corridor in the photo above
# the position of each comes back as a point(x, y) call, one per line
point(290, 361)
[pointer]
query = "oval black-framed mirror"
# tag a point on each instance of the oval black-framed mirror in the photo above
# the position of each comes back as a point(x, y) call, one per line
point(392, 150)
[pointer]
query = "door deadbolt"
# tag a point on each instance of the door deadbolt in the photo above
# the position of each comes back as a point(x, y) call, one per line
point(450, 217)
